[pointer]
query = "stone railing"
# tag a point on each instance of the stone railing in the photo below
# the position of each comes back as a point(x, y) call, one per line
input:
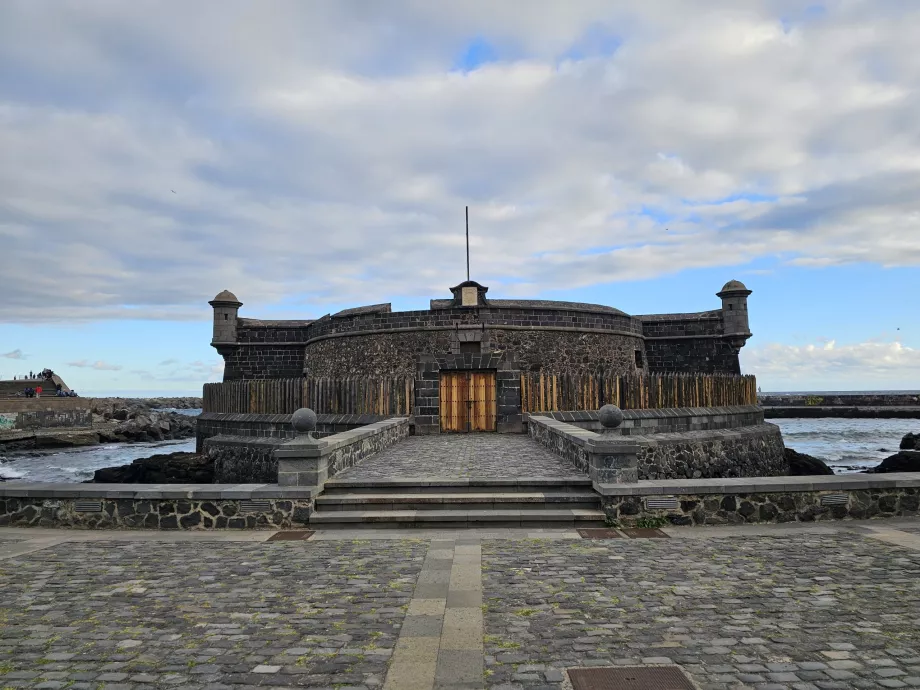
point(308, 461)
point(647, 422)
point(276, 426)
point(680, 443)
point(303, 460)
point(607, 459)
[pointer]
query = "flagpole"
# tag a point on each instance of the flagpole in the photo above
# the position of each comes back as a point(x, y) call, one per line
point(467, 242)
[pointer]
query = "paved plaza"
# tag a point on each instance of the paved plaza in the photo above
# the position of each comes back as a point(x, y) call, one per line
point(461, 456)
point(768, 607)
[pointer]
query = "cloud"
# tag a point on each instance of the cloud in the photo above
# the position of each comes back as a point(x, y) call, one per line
point(98, 365)
point(15, 354)
point(883, 364)
point(755, 130)
point(167, 362)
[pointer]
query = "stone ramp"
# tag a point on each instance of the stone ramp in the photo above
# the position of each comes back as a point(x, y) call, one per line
point(464, 456)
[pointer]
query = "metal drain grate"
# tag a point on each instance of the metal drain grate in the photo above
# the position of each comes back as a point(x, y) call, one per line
point(644, 533)
point(661, 503)
point(87, 506)
point(630, 678)
point(834, 499)
point(255, 506)
point(300, 535)
point(598, 533)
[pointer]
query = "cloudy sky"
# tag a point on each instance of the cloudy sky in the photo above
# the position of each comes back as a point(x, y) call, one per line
point(311, 156)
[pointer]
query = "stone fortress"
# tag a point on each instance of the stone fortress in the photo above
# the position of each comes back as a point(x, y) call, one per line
point(470, 363)
point(470, 332)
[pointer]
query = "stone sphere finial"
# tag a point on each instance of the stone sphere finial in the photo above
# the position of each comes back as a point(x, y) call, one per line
point(304, 421)
point(610, 416)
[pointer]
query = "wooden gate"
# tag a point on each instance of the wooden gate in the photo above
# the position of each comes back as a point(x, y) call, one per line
point(467, 401)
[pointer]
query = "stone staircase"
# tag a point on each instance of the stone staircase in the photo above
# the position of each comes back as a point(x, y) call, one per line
point(452, 503)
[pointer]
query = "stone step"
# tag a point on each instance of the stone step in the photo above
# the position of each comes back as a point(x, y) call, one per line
point(557, 517)
point(517, 500)
point(405, 485)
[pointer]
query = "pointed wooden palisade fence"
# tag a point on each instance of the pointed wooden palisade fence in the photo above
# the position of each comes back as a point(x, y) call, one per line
point(353, 395)
point(568, 392)
point(539, 393)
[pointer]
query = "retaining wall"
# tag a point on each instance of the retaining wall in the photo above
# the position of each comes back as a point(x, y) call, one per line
point(715, 442)
point(749, 451)
point(139, 506)
point(763, 499)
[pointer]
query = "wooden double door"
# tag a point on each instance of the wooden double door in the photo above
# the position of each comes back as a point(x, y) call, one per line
point(468, 401)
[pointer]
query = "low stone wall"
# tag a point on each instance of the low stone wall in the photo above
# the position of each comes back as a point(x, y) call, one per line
point(746, 451)
point(243, 458)
point(23, 414)
point(47, 402)
point(604, 458)
point(668, 420)
point(751, 451)
point(768, 499)
point(136, 506)
point(256, 459)
point(565, 440)
point(308, 461)
point(273, 425)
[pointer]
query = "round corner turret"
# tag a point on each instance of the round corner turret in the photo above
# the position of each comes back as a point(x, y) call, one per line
point(736, 326)
point(226, 308)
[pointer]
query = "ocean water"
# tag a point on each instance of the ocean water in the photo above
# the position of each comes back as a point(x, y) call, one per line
point(79, 464)
point(847, 445)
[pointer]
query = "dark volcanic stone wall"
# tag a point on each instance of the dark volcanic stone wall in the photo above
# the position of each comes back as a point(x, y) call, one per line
point(265, 350)
point(751, 451)
point(557, 352)
point(379, 354)
point(262, 361)
point(671, 346)
point(780, 506)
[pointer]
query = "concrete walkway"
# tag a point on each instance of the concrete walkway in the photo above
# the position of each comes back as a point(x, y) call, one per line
point(770, 607)
point(458, 456)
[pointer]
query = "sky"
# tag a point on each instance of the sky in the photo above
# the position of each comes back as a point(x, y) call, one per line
point(314, 156)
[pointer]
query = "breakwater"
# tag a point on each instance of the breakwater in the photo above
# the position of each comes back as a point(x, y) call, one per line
point(849, 405)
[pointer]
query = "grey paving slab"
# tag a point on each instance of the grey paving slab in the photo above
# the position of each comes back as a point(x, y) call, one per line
point(504, 456)
point(205, 614)
point(741, 612)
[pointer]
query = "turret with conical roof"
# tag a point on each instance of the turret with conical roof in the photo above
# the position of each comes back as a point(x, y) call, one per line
point(734, 296)
point(226, 307)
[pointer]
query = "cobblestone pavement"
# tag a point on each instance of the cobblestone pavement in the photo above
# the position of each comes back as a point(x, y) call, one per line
point(152, 614)
point(798, 607)
point(792, 612)
point(463, 455)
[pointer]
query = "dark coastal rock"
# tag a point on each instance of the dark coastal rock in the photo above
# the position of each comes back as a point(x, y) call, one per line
point(139, 422)
point(904, 461)
point(65, 439)
point(801, 465)
point(910, 441)
point(171, 468)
